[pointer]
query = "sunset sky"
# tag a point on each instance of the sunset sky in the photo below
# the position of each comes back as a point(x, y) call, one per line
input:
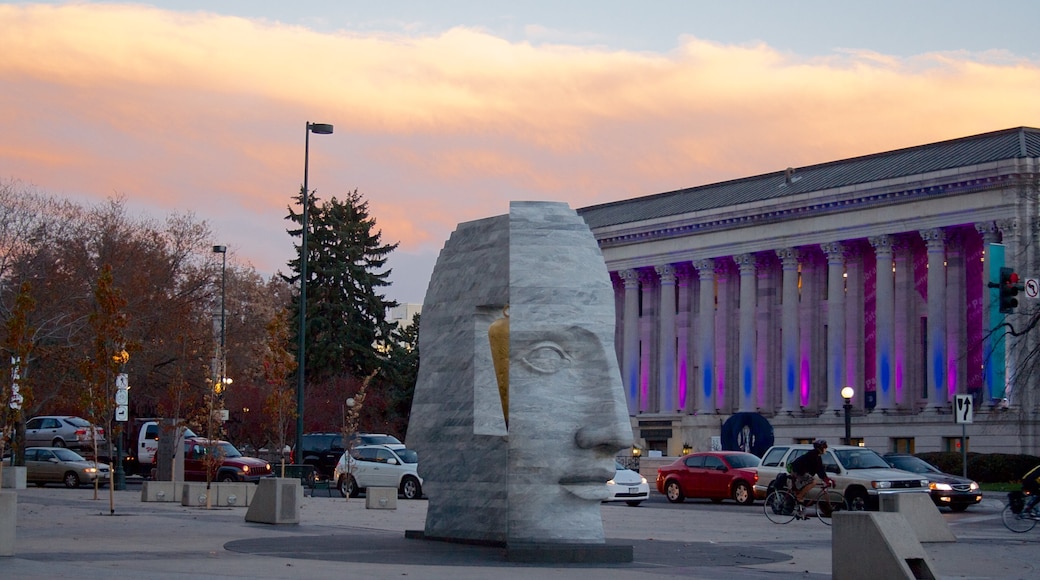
point(445, 111)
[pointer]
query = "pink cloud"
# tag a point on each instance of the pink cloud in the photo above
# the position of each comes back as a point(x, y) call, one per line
point(201, 112)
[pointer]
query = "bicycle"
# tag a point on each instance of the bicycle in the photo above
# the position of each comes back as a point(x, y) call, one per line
point(1016, 518)
point(781, 503)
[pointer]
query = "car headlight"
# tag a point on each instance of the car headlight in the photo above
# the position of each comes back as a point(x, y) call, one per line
point(245, 469)
point(941, 486)
point(881, 484)
point(610, 482)
point(973, 487)
point(643, 479)
point(90, 470)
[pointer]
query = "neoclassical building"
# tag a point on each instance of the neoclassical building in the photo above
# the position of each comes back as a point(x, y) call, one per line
point(771, 293)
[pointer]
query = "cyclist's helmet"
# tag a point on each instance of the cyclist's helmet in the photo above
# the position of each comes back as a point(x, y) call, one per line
point(820, 444)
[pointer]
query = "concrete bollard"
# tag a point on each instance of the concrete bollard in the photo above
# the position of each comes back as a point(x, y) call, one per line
point(277, 501)
point(162, 491)
point(8, 521)
point(922, 515)
point(869, 545)
point(14, 477)
point(235, 494)
point(381, 498)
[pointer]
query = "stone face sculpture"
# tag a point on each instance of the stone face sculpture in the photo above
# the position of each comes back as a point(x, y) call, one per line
point(540, 480)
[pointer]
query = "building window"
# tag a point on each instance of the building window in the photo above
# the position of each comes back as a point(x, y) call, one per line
point(954, 444)
point(903, 445)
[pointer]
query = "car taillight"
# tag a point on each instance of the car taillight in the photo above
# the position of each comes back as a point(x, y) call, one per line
point(81, 432)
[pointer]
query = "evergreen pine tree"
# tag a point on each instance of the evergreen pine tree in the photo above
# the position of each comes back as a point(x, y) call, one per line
point(346, 312)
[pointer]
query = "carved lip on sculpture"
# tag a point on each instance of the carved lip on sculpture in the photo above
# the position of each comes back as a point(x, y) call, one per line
point(592, 487)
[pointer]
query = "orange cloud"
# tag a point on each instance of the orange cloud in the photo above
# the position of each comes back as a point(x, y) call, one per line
point(202, 112)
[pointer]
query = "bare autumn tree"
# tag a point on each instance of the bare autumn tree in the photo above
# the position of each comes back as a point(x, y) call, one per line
point(165, 273)
point(278, 365)
point(111, 350)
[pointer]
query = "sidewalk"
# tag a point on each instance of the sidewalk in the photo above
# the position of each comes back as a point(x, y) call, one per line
point(65, 532)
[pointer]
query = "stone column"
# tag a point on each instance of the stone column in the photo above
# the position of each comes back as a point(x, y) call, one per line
point(790, 379)
point(956, 313)
point(706, 344)
point(748, 291)
point(630, 360)
point(836, 372)
point(938, 392)
point(666, 383)
point(855, 375)
point(648, 344)
point(908, 377)
point(685, 328)
point(884, 322)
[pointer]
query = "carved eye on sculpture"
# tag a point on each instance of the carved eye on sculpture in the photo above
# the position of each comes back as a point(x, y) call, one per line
point(546, 357)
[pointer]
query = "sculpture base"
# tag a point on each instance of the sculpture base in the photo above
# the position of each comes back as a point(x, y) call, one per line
point(560, 553)
point(546, 552)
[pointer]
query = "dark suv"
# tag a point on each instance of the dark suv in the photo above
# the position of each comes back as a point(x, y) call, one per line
point(323, 450)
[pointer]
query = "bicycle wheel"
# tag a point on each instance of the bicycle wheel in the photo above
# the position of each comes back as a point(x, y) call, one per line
point(1019, 523)
point(779, 507)
point(829, 502)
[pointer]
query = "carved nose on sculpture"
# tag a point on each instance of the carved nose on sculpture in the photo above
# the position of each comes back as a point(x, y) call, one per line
point(608, 437)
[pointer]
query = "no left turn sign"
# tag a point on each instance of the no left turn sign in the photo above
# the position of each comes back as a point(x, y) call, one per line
point(1032, 287)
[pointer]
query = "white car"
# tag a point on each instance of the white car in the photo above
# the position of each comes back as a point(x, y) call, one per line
point(379, 466)
point(627, 486)
point(860, 473)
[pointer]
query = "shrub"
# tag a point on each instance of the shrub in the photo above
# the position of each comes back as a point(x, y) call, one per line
point(984, 467)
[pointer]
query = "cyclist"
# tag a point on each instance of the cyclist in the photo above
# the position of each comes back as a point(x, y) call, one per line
point(1031, 487)
point(805, 469)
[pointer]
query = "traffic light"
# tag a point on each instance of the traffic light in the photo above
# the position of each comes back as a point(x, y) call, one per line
point(1009, 288)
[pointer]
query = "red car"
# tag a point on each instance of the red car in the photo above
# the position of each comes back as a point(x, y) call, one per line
point(233, 465)
point(715, 475)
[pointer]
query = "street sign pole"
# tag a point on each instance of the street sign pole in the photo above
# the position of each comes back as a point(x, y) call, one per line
point(962, 413)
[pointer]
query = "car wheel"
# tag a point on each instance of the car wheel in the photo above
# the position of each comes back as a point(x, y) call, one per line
point(857, 501)
point(58, 442)
point(742, 493)
point(410, 488)
point(634, 503)
point(71, 480)
point(959, 507)
point(227, 477)
point(673, 492)
point(348, 487)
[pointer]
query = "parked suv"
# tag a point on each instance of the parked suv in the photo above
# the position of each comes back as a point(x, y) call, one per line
point(323, 450)
point(63, 431)
point(861, 474)
point(379, 466)
point(233, 465)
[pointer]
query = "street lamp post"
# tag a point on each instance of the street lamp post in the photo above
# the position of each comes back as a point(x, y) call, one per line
point(847, 394)
point(320, 129)
point(217, 386)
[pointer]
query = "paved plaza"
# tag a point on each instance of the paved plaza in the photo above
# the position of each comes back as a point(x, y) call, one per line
point(63, 532)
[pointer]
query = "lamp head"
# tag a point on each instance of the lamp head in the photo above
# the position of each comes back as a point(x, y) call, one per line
point(847, 392)
point(320, 128)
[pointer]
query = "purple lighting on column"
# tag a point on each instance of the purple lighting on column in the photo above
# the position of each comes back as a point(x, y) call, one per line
point(974, 289)
point(682, 383)
point(805, 383)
